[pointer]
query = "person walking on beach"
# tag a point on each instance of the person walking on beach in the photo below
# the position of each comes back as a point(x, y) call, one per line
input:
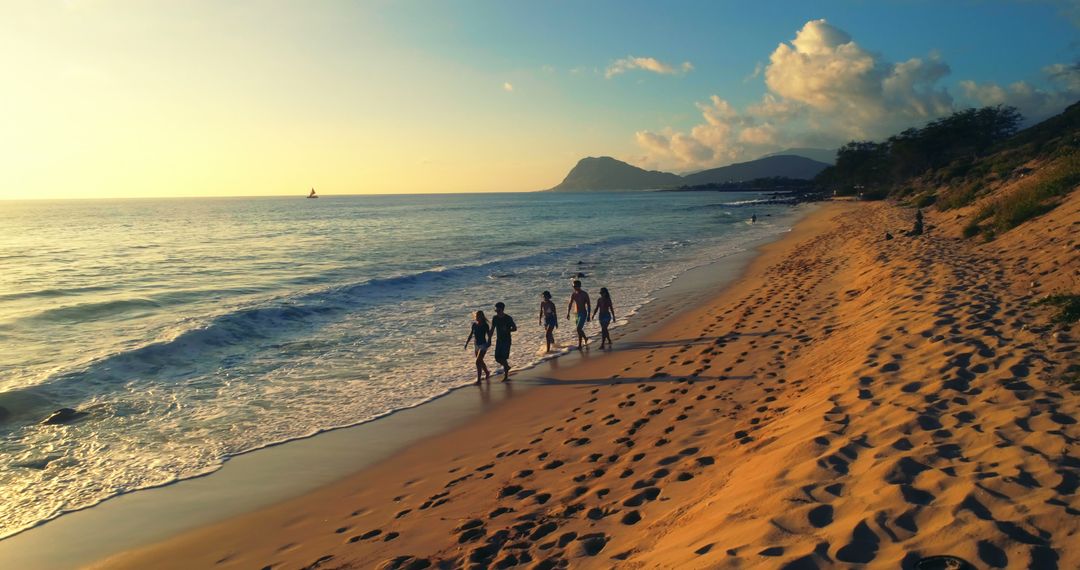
point(580, 299)
point(481, 337)
point(503, 324)
point(606, 310)
point(548, 319)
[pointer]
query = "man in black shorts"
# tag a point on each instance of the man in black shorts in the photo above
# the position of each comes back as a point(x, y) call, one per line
point(502, 325)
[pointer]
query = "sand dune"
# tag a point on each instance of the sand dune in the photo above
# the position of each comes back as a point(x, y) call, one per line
point(850, 401)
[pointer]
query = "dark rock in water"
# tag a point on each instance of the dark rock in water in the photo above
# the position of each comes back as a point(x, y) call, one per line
point(38, 464)
point(580, 262)
point(580, 274)
point(63, 416)
point(4, 414)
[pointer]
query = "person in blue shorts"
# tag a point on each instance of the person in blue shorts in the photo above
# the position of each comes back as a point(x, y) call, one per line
point(605, 309)
point(502, 324)
point(548, 319)
point(481, 337)
point(580, 299)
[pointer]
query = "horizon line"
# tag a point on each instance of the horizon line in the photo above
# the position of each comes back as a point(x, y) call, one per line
point(300, 196)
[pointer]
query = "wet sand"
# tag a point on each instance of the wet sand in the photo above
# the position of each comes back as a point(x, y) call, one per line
point(849, 401)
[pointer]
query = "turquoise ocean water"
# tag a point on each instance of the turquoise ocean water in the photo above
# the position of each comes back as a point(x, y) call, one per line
point(190, 330)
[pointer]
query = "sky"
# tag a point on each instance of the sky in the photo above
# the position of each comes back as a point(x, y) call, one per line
point(148, 98)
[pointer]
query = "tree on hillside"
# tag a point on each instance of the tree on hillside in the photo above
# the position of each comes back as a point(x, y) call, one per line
point(875, 167)
point(859, 165)
point(968, 133)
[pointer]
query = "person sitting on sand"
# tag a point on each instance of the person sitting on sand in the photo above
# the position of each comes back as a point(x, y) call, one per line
point(606, 310)
point(502, 324)
point(481, 337)
point(580, 299)
point(548, 319)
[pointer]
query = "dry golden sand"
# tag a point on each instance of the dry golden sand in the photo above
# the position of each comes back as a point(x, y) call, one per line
point(849, 401)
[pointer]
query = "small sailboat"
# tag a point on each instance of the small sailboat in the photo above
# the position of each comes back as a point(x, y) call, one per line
point(313, 194)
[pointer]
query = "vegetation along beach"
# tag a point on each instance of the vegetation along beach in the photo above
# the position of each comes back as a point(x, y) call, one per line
point(806, 297)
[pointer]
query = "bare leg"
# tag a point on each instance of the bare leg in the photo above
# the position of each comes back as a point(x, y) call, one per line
point(481, 366)
point(550, 337)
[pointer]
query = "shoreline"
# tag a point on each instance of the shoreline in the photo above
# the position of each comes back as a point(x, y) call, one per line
point(848, 401)
point(332, 454)
point(547, 395)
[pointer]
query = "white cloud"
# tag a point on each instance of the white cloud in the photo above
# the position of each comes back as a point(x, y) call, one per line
point(851, 88)
point(758, 69)
point(507, 86)
point(690, 148)
point(1032, 101)
point(1020, 94)
point(824, 89)
point(1067, 76)
point(760, 135)
point(652, 64)
point(653, 141)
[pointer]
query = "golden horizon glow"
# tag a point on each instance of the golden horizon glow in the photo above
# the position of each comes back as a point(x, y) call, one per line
point(114, 100)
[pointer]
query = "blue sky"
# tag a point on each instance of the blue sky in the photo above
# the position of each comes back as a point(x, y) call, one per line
point(992, 40)
point(127, 98)
point(989, 41)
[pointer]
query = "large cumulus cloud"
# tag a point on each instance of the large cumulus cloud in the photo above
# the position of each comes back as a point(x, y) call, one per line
point(823, 88)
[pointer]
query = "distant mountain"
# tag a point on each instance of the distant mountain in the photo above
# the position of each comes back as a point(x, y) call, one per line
point(826, 155)
point(786, 166)
point(606, 173)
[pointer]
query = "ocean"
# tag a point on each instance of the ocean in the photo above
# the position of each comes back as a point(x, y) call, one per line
point(192, 330)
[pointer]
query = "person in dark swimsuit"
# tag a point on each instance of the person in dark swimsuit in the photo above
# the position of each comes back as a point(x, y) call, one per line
point(580, 299)
point(606, 311)
point(481, 337)
point(548, 319)
point(502, 324)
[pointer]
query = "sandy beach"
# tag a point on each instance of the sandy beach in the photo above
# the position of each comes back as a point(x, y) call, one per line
point(849, 401)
